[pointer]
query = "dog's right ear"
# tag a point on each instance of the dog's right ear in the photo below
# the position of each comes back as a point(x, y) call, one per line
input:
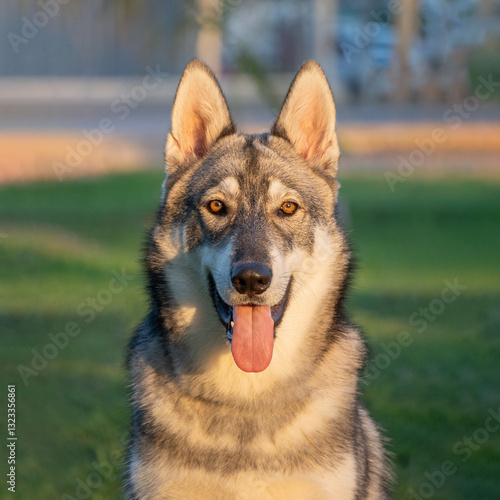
point(200, 117)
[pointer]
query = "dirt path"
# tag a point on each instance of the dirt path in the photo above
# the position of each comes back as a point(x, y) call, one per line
point(428, 147)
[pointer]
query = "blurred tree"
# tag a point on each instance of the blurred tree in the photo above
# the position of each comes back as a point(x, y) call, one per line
point(407, 24)
point(487, 7)
point(325, 21)
point(209, 37)
point(206, 16)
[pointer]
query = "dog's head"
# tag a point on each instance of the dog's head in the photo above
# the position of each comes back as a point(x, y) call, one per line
point(247, 221)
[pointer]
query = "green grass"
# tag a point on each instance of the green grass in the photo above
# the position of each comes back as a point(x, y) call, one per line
point(485, 64)
point(64, 240)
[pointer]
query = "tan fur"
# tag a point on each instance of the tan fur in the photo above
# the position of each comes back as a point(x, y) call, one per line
point(198, 117)
point(299, 432)
point(203, 428)
point(309, 115)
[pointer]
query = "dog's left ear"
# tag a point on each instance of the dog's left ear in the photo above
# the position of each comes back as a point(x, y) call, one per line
point(307, 118)
point(200, 117)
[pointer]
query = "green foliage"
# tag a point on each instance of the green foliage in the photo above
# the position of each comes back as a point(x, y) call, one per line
point(251, 65)
point(485, 63)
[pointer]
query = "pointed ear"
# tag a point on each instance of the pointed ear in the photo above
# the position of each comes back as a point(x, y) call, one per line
point(307, 118)
point(199, 117)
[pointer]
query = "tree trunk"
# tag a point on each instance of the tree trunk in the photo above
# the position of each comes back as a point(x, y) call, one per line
point(407, 25)
point(209, 40)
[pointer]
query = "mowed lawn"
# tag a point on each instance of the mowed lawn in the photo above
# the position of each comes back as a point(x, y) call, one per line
point(426, 292)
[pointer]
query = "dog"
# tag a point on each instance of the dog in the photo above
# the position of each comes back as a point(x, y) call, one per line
point(244, 374)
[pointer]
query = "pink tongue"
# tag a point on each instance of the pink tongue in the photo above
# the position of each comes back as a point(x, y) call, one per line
point(253, 337)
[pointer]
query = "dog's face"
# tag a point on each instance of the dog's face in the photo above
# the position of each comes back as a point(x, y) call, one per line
point(246, 219)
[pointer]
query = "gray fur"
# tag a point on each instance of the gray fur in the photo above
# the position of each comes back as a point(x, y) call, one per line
point(202, 428)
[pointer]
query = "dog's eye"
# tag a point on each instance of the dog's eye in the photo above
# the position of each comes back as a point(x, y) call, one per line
point(289, 208)
point(216, 207)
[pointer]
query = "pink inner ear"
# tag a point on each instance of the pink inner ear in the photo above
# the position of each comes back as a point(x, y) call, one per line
point(310, 143)
point(200, 139)
point(195, 136)
point(304, 143)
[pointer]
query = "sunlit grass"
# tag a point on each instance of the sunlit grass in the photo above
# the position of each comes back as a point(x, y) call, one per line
point(64, 241)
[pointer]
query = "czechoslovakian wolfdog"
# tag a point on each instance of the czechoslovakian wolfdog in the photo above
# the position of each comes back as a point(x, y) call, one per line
point(244, 374)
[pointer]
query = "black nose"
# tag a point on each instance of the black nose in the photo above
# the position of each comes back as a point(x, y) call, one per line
point(251, 279)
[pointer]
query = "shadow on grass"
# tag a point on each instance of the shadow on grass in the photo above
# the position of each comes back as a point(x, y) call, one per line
point(72, 402)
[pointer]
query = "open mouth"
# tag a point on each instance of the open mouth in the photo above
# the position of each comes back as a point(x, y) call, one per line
point(250, 328)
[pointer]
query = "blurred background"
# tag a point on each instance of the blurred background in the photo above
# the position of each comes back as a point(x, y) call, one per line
point(65, 66)
point(86, 90)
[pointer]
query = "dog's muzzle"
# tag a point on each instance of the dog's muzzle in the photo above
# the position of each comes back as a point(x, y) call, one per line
point(250, 327)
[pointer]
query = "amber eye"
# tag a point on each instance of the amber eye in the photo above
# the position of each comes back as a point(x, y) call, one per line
point(216, 207)
point(289, 207)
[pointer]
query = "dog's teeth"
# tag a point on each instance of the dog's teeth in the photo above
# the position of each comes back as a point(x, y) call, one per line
point(232, 324)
